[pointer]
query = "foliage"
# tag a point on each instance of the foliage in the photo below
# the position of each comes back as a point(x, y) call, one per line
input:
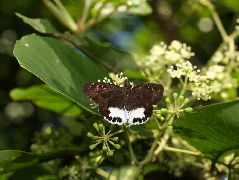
point(194, 127)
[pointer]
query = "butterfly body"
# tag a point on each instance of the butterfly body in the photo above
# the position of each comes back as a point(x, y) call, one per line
point(120, 105)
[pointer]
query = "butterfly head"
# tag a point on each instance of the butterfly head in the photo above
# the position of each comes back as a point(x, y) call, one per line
point(127, 84)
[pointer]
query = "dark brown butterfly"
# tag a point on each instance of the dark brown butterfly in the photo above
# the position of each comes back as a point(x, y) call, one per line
point(120, 105)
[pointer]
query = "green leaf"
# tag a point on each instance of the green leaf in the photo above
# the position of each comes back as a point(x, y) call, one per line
point(36, 172)
point(141, 8)
point(40, 25)
point(11, 160)
point(46, 98)
point(142, 131)
point(14, 160)
point(231, 4)
point(108, 55)
point(60, 65)
point(213, 130)
point(103, 53)
point(124, 172)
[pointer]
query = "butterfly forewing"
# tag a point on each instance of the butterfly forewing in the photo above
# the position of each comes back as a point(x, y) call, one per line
point(97, 91)
point(149, 92)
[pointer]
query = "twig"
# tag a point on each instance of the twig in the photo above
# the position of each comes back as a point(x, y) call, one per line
point(132, 155)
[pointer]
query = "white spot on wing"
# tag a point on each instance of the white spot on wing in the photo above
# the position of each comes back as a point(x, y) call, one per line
point(136, 113)
point(126, 116)
point(117, 113)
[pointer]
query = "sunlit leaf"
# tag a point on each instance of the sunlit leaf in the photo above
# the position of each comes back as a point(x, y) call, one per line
point(213, 130)
point(60, 65)
point(40, 25)
point(124, 172)
point(45, 97)
point(103, 53)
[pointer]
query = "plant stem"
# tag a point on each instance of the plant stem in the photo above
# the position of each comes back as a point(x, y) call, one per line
point(185, 83)
point(132, 155)
point(105, 174)
point(115, 133)
point(166, 148)
point(60, 12)
point(84, 17)
point(150, 154)
point(163, 141)
point(216, 19)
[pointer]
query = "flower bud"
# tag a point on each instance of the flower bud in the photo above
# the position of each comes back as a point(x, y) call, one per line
point(162, 118)
point(186, 100)
point(181, 98)
point(115, 139)
point(175, 95)
point(96, 126)
point(90, 135)
point(189, 109)
point(163, 110)
point(104, 148)
point(110, 153)
point(101, 126)
point(117, 146)
point(158, 116)
point(170, 123)
point(167, 100)
point(92, 146)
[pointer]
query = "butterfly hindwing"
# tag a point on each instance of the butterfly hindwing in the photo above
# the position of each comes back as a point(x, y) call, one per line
point(112, 109)
point(141, 100)
point(138, 116)
point(116, 116)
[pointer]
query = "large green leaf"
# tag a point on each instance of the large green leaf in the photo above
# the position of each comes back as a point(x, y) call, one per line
point(58, 64)
point(45, 97)
point(103, 53)
point(213, 130)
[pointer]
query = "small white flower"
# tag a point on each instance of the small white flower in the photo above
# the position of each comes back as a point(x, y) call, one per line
point(198, 84)
point(201, 91)
point(218, 56)
point(215, 72)
point(175, 45)
point(118, 79)
point(158, 50)
point(173, 56)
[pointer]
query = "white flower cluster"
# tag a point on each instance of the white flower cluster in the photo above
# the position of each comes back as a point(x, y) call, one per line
point(220, 72)
point(237, 26)
point(220, 80)
point(118, 79)
point(176, 52)
point(161, 57)
point(110, 7)
point(195, 82)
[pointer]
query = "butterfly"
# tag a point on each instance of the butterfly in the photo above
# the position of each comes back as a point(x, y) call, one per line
point(124, 105)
